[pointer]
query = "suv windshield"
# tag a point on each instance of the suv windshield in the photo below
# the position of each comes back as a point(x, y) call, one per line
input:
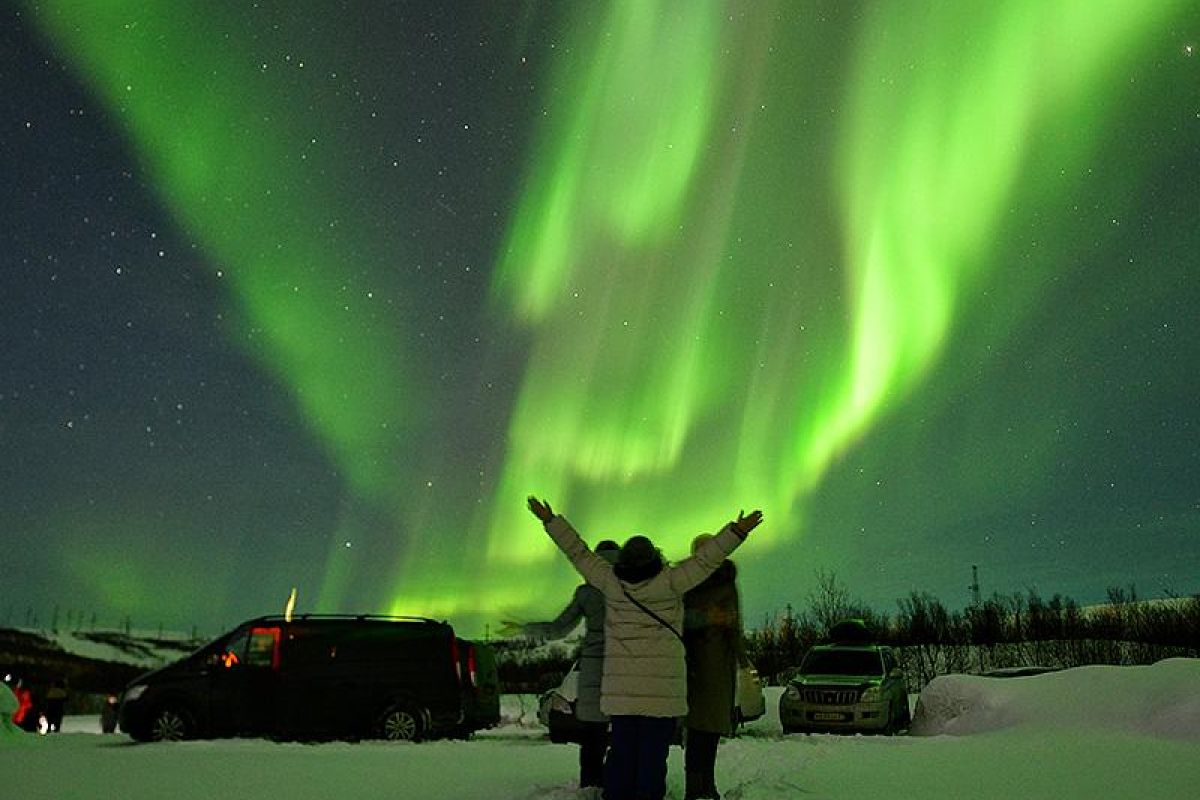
point(842, 662)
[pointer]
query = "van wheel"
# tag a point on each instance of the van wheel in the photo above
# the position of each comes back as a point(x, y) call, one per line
point(399, 724)
point(171, 725)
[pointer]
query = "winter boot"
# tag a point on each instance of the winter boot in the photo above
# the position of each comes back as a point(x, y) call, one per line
point(698, 786)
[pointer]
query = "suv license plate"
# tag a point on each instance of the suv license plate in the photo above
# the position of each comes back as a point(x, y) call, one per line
point(829, 716)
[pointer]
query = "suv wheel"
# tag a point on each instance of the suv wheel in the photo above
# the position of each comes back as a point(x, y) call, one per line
point(399, 724)
point(171, 725)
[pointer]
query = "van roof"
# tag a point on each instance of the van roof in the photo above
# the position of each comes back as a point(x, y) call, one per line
point(859, 646)
point(336, 618)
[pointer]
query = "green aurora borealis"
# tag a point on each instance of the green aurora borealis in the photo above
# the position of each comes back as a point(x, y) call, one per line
point(917, 279)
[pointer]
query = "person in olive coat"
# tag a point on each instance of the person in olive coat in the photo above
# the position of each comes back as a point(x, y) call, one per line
point(712, 636)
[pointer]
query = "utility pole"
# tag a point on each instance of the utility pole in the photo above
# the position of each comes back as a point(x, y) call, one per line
point(976, 601)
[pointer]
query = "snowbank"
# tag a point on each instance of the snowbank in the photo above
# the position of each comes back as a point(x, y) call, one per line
point(1088, 755)
point(1161, 699)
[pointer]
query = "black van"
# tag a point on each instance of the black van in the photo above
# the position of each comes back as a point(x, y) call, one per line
point(321, 677)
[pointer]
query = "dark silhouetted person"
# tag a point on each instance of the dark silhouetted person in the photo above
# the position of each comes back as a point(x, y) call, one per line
point(108, 714)
point(586, 604)
point(712, 635)
point(644, 686)
point(56, 705)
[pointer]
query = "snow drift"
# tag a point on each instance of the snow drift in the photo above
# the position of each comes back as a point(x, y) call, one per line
point(1081, 734)
point(1161, 699)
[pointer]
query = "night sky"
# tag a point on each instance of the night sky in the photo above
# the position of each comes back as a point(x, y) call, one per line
point(314, 294)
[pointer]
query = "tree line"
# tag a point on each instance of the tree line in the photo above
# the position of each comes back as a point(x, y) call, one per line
point(1014, 630)
point(1003, 631)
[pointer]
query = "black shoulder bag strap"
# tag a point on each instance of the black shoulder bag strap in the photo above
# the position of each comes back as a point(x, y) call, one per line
point(660, 620)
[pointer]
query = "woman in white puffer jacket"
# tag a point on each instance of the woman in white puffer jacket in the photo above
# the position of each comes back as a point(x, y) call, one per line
point(644, 686)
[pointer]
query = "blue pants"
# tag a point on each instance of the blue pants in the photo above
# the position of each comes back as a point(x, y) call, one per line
point(636, 768)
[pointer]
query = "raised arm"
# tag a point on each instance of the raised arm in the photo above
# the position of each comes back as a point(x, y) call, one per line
point(747, 522)
point(567, 621)
point(693, 570)
point(594, 569)
point(541, 509)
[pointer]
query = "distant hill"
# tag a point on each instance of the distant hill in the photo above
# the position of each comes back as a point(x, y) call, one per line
point(96, 662)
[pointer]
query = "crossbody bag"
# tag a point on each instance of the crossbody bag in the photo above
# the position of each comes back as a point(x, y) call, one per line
point(659, 619)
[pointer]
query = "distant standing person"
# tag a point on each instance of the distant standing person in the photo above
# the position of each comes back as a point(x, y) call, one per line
point(644, 687)
point(108, 714)
point(586, 604)
point(56, 704)
point(712, 635)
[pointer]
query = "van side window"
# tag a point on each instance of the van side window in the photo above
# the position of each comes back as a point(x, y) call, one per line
point(889, 662)
point(233, 653)
point(263, 649)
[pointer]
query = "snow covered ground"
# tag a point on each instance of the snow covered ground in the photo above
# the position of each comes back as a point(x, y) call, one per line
point(1091, 732)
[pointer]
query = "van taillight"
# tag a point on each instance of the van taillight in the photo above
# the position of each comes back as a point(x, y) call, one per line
point(454, 659)
point(471, 663)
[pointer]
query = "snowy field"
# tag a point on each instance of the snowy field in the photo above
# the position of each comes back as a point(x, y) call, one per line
point(1091, 732)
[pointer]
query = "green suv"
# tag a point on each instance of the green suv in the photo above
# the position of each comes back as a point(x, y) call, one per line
point(851, 688)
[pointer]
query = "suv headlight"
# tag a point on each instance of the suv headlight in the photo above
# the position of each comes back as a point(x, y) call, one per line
point(871, 695)
point(792, 692)
point(134, 692)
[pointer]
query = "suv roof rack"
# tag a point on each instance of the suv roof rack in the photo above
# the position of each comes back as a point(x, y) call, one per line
point(851, 631)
